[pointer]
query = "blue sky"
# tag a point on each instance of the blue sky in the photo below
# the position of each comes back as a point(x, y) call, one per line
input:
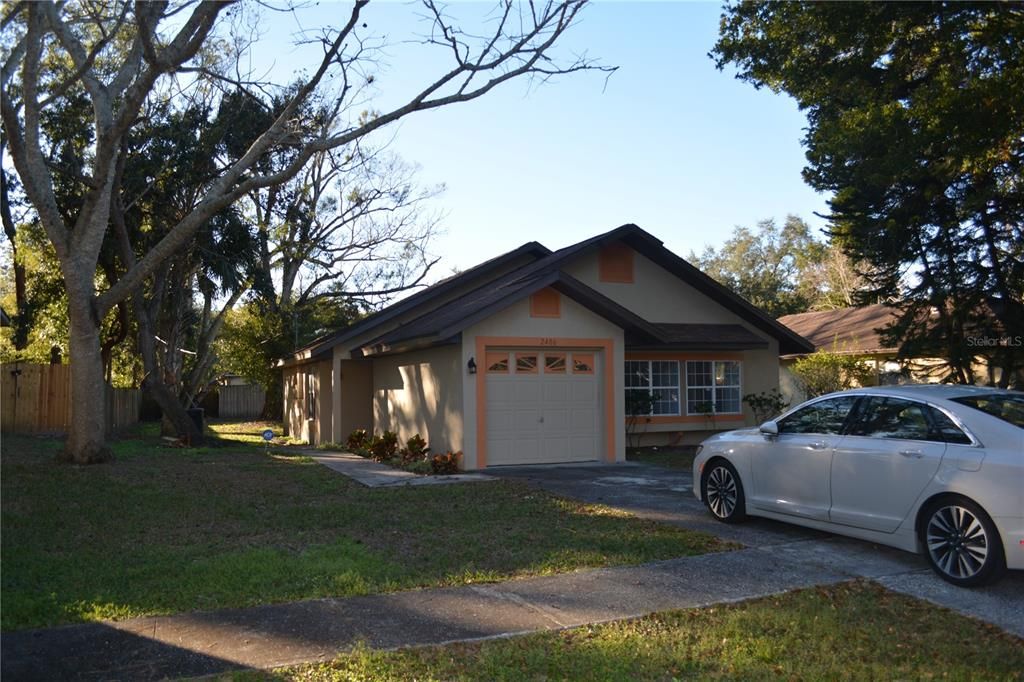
point(668, 142)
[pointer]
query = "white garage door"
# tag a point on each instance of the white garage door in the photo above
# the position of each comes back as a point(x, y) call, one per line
point(543, 406)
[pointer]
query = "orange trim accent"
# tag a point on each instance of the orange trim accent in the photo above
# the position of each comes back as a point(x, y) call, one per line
point(615, 264)
point(546, 303)
point(606, 345)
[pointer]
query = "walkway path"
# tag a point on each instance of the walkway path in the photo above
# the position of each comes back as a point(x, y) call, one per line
point(376, 475)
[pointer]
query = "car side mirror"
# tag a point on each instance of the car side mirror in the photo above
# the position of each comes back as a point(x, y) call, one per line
point(770, 429)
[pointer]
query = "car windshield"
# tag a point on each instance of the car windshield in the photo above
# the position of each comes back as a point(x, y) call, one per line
point(1005, 406)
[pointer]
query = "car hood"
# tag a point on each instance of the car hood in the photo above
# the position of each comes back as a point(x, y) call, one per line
point(725, 435)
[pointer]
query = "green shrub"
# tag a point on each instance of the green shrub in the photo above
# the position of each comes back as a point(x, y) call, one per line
point(422, 467)
point(384, 446)
point(358, 440)
point(766, 404)
point(415, 450)
point(824, 372)
point(445, 464)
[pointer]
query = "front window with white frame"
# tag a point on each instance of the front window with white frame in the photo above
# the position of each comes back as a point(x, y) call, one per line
point(713, 387)
point(656, 380)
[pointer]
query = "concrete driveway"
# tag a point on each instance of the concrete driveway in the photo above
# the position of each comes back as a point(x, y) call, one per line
point(667, 495)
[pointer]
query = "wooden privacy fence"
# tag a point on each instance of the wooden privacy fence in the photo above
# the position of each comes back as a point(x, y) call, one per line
point(37, 399)
point(241, 402)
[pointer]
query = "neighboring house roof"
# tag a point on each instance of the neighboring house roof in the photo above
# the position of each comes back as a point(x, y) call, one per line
point(846, 330)
point(492, 291)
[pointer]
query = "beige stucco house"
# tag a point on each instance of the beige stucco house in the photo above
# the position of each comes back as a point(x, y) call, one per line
point(528, 357)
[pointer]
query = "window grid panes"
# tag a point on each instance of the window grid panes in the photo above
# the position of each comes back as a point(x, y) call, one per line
point(658, 379)
point(713, 387)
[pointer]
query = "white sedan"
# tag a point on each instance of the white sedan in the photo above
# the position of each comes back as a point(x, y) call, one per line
point(933, 469)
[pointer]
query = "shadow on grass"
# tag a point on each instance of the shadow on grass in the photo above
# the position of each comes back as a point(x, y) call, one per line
point(98, 651)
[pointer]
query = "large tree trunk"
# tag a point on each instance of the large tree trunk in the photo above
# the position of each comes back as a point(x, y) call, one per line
point(86, 442)
point(153, 383)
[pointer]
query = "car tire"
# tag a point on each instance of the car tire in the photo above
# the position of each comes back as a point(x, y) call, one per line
point(961, 543)
point(722, 492)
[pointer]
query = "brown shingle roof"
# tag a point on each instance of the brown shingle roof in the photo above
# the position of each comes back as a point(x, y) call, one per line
point(693, 336)
point(845, 330)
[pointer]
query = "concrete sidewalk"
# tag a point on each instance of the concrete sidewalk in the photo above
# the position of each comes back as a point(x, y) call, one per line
point(376, 475)
point(270, 636)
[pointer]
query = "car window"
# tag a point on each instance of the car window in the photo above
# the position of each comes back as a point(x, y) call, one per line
point(825, 416)
point(893, 418)
point(945, 429)
point(1006, 406)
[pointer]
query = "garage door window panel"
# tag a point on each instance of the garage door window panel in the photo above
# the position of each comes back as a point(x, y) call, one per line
point(526, 363)
point(497, 363)
point(582, 363)
point(554, 363)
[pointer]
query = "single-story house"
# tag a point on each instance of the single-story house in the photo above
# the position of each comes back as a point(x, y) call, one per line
point(847, 331)
point(527, 358)
point(856, 331)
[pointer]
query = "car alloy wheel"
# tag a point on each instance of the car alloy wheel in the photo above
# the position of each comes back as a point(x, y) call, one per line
point(723, 492)
point(962, 544)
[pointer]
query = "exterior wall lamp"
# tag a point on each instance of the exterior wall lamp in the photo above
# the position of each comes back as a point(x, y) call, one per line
point(471, 366)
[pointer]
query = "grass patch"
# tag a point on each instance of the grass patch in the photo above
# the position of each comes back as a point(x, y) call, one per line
point(164, 530)
point(854, 631)
point(250, 432)
point(676, 457)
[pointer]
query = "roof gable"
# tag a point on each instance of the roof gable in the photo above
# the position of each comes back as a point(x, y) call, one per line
point(486, 301)
point(491, 293)
point(474, 277)
point(654, 250)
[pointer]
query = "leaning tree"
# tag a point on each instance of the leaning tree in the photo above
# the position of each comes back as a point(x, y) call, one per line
point(122, 55)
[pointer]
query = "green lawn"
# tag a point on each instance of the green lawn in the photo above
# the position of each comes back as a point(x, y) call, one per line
point(165, 530)
point(854, 631)
point(677, 457)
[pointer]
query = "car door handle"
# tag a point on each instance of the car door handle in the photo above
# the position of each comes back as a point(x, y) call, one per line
point(818, 445)
point(916, 454)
